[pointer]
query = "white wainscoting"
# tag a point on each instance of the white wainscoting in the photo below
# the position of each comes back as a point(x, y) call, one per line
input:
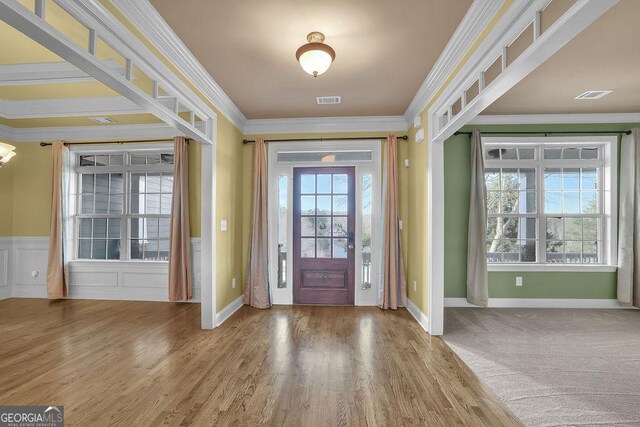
point(23, 271)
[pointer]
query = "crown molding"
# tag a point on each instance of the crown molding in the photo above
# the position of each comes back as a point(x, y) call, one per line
point(474, 22)
point(97, 133)
point(50, 73)
point(148, 21)
point(549, 119)
point(326, 124)
point(74, 107)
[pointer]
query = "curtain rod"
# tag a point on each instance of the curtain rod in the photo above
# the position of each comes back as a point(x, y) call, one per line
point(250, 141)
point(46, 144)
point(586, 133)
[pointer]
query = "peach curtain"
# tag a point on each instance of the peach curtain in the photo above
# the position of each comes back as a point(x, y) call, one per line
point(57, 272)
point(394, 293)
point(256, 288)
point(180, 245)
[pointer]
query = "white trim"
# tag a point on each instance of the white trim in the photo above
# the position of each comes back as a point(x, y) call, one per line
point(229, 310)
point(579, 268)
point(326, 124)
point(99, 133)
point(538, 303)
point(421, 318)
point(474, 22)
point(435, 227)
point(548, 119)
point(146, 19)
point(49, 72)
point(373, 167)
point(208, 234)
point(571, 23)
point(73, 107)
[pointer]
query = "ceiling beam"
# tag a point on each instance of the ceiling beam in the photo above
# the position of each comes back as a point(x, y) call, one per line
point(579, 16)
point(49, 73)
point(39, 30)
point(74, 107)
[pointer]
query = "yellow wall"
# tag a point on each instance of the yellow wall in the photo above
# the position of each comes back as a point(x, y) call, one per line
point(417, 187)
point(6, 198)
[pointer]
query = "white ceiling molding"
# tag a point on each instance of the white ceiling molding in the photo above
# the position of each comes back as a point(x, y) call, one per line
point(50, 73)
point(474, 22)
point(91, 133)
point(74, 107)
point(443, 123)
point(549, 119)
point(148, 21)
point(326, 125)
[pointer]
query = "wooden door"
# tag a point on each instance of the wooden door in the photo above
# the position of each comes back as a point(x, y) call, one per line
point(323, 235)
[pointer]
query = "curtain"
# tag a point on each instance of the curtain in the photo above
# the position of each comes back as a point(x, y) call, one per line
point(180, 244)
point(256, 288)
point(477, 277)
point(394, 292)
point(629, 223)
point(57, 271)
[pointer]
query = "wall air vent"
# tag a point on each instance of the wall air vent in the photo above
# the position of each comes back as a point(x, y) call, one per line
point(329, 100)
point(594, 94)
point(102, 120)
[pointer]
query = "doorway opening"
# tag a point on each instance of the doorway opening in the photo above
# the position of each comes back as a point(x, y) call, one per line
point(324, 221)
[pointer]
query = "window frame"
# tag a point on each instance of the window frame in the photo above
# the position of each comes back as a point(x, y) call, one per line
point(607, 166)
point(125, 169)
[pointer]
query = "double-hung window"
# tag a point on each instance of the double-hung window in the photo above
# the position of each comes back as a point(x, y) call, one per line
point(551, 201)
point(121, 206)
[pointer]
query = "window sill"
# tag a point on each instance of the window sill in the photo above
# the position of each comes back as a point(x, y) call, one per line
point(554, 267)
point(115, 263)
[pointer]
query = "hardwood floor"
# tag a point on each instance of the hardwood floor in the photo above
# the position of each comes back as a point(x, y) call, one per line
point(144, 363)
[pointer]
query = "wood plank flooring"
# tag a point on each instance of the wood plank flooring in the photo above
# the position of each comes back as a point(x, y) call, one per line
point(145, 363)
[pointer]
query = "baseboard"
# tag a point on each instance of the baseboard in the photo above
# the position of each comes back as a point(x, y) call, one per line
point(5, 292)
point(417, 314)
point(538, 303)
point(226, 312)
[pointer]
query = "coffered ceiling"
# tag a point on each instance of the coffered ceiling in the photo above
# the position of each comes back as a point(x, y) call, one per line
point(384, 51)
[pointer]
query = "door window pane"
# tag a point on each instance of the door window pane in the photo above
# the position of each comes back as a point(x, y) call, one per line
point(339, 248)
point(307, 226)
point(323, 226)
point(340, 183)
point(324, 205)
point(324, 248)
point(339, 205)
point(324, 184)
point(307, 205)
point(308, 248)
point(308, 184)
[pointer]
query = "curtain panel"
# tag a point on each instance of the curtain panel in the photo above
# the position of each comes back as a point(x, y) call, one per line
point(629, 223)
point(394, 293)
point(180, 283)
point(477, 276)
point(57, 262)
point(256, 289)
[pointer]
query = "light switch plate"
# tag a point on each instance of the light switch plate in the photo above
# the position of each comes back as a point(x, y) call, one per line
point(420, 136)
point(223, 225)
point(518, 281)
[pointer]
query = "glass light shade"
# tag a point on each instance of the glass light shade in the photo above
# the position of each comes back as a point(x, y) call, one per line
point(6, 152)
point(315, 58)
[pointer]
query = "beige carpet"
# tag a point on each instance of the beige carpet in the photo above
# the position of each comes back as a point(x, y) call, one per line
point(554, 366)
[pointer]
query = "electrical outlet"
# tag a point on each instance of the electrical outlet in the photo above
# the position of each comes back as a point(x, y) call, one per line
point(415, 286)
point(233, 283)
point(519, 281)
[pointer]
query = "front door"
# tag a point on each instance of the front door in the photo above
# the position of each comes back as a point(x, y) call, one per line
point(323, 235)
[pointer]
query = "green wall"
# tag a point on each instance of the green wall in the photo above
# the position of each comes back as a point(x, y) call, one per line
point(457, 158)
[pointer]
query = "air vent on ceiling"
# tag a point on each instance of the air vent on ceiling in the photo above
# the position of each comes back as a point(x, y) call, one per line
point(328, 100)
point(102, 120)
point(593, 94)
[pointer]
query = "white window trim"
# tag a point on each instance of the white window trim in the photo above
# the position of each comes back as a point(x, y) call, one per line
point(80, 149)
point(373, 167)
point(609, 204)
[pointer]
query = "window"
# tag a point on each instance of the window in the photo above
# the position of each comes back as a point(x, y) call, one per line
point(550, 201)
point(123, 205)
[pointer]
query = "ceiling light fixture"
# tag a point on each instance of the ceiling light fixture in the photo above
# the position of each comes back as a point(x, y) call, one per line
point(315, 57)
point(6, 152)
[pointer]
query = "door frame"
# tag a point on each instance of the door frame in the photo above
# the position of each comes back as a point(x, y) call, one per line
point(373, 167)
